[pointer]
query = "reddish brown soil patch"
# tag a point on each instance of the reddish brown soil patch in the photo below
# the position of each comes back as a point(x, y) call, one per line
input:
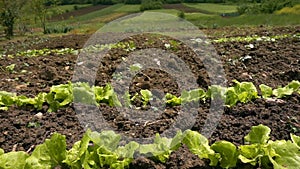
point(184, 8)
point(79, 12)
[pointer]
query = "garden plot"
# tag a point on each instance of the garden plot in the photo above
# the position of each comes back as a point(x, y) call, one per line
point(272, 60)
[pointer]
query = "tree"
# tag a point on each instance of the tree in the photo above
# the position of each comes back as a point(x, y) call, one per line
point(9, 12)
point(43, 10)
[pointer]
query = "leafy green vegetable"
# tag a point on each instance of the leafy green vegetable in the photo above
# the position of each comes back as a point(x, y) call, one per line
point(283, 91)
point(10, 68)
point(102, 150)
point(246, 91)
point(296, 140)
point(231, 97)
point(258, 135)
point(37, 101)
point(192, 95)
point(146, 96)
point(266, 91)
point(228, 152)
point(79, 156)
point(106, 95)
point(50, 154)
point(216, 92)
point(198, 145)
point(127, 100)
point(172, 100)
point(83, 93)
point(287, 155)
point(13, 160)
point(293, 86)
point(6, 99)
point(162, 147)
point(64, 94)
point(258, 150)
point(59, 96)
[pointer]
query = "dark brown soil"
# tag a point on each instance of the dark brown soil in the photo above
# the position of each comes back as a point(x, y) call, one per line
point(183, 8)
point(272, 63)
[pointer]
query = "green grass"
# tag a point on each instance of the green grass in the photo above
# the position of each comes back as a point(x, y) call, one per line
point(213, 8)
point(147, 21)
point(95, 20)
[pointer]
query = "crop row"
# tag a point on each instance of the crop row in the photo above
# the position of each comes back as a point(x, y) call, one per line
point(103, 150)
point(64, 94)
point(131, 46)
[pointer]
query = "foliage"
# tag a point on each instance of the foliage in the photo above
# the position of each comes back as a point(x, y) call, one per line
point(199, 145)
point(181, 14)
point(43, 12)
point(266, 91)
point(290, 10)
point(162, 147)
point(103, 150)
point(293, 86)
point(9, 12)
point(266, 6)
point(48, 155)
point(57, 29)
point(151, 4)
point(64, 94)
point(263, 152)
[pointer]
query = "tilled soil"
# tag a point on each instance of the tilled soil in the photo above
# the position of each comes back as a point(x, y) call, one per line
point(78, 12)
point(183, 8)
point(271, 63)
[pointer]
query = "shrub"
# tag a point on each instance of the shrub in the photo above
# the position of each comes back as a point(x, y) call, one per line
point(58, 29)
point(266, 6)
point(76, 7)
point(181, 14)
point(290, 10)
point(151, 4)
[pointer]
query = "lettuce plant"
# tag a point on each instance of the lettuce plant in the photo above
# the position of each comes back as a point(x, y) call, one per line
point(162, 147)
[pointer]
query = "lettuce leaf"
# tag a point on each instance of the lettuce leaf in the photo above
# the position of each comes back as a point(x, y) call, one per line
point(50, 154)
point(258, 151)
point(296, 140)
point(228, 153)
point(81, 155)
point(162, 147)
point(198, 145)
point(258, 135)
point(266, 91)
point(13, 160)
point(287, 155)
